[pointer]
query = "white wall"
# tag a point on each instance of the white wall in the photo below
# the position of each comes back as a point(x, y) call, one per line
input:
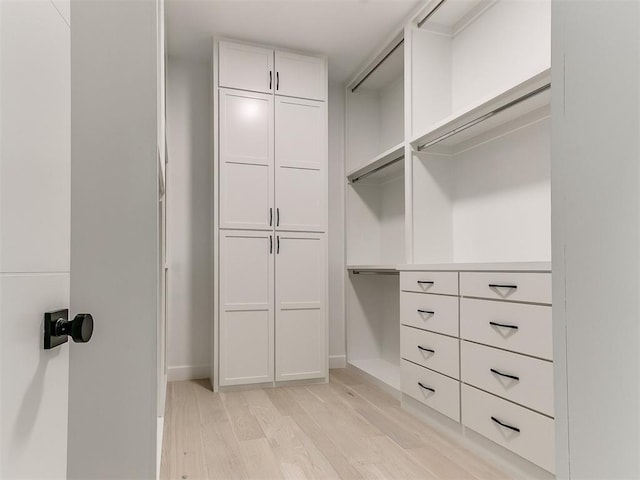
point(595, 172)
point(336, 239)
point(189, 218)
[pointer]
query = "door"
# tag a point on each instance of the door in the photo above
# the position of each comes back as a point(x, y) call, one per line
point(34, 236)
point(300, 76)
point(301, 324)
point(301, 159)
point(246, 67)
point(246, 307)
point(246, 160)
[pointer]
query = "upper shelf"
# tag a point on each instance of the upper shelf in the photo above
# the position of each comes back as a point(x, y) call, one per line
point(523, 103)
point(385, 166)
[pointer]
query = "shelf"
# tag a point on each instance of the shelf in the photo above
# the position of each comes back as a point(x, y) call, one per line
point(480, 267)
point(382, 370)
point(523, 104)
point(373, 269)
point(385, 166)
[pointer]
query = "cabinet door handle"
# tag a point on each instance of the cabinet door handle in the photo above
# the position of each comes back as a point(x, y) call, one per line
point(421, 282)
point(505, 425)
point(277, 216)
point(277, 80)
point(504, 325)
point(270, 79)
point(422, 385)
point(270, 244)
point(430, 312)
point(498, 285)
point(505, 375)
point(270, 216)
point(278, 244)
point(424, 349)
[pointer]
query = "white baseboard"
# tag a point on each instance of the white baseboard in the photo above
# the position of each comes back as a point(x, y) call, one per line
point(337, 361)
point(188, 372)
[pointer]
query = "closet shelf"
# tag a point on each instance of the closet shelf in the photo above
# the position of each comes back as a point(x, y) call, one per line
point(521, 105)
point(386, 165)
point(373, 269)
point(380, 369)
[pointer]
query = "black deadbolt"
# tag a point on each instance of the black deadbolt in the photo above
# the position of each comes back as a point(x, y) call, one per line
point(57, 327)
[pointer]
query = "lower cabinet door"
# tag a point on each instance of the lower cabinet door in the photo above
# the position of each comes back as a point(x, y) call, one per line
point(434, 390)
point(301, 324)
point(246, 307)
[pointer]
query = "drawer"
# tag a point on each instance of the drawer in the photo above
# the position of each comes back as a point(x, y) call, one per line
point(533, 387)
point(534, 441)
point(434, 390)
point(513, 326)
point(429, 282)
point(431, 350)
point(430, 312)
point(518, 287)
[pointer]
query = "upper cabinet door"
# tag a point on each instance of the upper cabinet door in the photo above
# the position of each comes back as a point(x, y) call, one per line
point(246, 67)
point(300, 76)
point(246, 160)
point(301, 159)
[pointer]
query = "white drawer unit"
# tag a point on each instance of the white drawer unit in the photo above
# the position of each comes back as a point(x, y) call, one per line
point(526, 433)
point(430, 282)
point(437, 313)
point(433, 389)
point(512, 286)
point(512, 326)
point(521, 379)
point(431, 350)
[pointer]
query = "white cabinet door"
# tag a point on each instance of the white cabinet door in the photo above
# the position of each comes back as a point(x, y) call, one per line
point(301, 159)
point(246, 67)
point(300, 76)
point(246, 307)
point(246, 160)
point(301, 325)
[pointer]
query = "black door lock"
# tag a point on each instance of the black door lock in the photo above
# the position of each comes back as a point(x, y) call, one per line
point(57, 328)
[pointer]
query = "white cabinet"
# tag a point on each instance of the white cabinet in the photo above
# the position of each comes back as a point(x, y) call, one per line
point(246, 67)
point(300, 306)
point(246, 307)
point(300, 76)
point(246, 160)
point(300, 153)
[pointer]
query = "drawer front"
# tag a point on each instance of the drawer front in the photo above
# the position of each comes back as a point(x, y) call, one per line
point(431, 350)
point(534, 441)
point(429, 282)
point(445, 397)
point(518, 287)
point(491, 370)
point(512, 326)
point(436, 313)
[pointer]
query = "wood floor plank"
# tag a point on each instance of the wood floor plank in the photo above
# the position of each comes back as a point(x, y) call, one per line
point(259, 460)
point(245, 425)
point(283, 401)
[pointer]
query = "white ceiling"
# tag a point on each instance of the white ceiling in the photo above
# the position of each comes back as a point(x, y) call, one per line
point(348, 31)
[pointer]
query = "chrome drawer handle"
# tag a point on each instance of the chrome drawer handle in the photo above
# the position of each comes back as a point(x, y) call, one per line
point(505, 425)
point(498, 285)
point(422, 385)
point(506, 375)
point(424, 349)
point(504, 325)
point(430, 312)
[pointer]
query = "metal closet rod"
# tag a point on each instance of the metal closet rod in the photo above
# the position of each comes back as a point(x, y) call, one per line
point(485, 116)
point(421, 22)
point(377, 169)
point(375, 67)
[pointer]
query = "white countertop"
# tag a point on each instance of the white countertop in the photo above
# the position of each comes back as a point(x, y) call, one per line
point(479, 267)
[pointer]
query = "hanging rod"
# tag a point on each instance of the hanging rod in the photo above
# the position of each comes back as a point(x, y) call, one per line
point(377, 169)
point(375, 67)
point(435, 9)
point(373, 272)
point(484, 117)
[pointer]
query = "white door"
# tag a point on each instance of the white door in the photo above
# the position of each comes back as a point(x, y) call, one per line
point(300, 76)
point(34, 235)
point(301, 324)
point(246, 307)
point(246, 160)
point(301, 159)
point(246, 67)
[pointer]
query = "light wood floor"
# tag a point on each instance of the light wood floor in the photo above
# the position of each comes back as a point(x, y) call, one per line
point(346, 429)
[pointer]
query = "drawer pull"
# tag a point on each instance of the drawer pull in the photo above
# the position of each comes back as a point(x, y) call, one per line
point(430, 312)
point(425, 349)
point(422, 385)
point(424, 282)
point(505, 425)
point(504, 325)
point(498, 285)
point(506, 375)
